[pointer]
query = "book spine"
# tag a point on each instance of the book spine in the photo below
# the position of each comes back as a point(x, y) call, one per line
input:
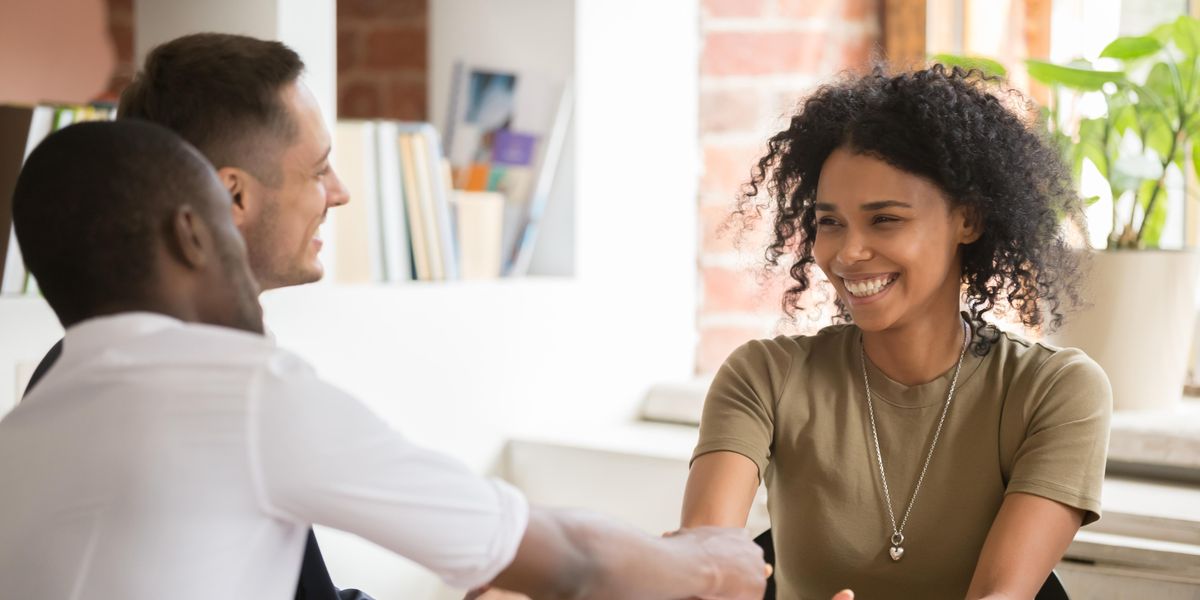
point(412, 201)
point(439, 184)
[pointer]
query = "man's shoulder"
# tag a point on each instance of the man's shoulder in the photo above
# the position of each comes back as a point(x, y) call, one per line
point(209, 345)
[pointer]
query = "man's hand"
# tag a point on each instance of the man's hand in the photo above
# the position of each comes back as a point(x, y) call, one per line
point(735, 563)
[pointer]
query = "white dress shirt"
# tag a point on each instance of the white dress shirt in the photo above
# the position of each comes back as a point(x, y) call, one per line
point(159, 459)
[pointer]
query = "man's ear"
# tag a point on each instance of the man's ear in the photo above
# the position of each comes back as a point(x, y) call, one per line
point(237, 182)
point(191, 237)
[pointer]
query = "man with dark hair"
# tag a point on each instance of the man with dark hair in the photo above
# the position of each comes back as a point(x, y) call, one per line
point(164, 455)
point(242, 102)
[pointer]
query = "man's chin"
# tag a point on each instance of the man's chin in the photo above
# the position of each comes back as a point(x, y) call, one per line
point(311, 273)
point(297, 276)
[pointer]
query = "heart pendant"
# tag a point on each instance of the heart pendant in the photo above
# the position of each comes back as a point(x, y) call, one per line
point(897, 552)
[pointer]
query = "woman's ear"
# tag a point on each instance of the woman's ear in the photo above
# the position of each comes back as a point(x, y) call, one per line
point(237, 181)
point(970, 226)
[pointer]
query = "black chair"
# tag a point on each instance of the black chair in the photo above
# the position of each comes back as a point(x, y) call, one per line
point(1051, 590)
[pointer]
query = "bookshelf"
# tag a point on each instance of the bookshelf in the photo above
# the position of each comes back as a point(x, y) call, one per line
point(532, 38)
point(461, 366)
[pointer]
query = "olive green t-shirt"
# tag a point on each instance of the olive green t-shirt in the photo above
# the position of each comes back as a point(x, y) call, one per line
point(1025, 418)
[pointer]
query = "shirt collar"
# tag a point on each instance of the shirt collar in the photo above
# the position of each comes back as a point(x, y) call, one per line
point(91, 335)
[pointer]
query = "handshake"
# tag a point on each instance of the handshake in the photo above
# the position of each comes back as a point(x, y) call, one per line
point(710, 563)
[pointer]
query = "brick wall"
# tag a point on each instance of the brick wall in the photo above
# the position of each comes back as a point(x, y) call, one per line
point(381, 56)
point(759, 58)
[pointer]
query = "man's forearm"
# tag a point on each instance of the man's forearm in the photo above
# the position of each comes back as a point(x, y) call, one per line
point(575, 555)
point(630, 564)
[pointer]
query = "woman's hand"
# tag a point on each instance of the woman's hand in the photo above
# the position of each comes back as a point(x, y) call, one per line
point(488, 593)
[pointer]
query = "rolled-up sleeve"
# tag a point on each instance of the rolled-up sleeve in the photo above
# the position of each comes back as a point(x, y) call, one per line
point(321, 456)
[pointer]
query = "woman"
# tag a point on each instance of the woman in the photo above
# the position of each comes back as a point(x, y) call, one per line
point(911, 451)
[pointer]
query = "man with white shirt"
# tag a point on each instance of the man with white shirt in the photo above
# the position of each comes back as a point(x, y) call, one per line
point(243, 103)
point(174, 451)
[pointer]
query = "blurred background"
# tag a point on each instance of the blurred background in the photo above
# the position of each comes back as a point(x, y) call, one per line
point(574, 361)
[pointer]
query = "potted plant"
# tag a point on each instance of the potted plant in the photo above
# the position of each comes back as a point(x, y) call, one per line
point(1139, 141)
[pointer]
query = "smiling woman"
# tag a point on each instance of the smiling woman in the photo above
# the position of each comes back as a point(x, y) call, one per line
point(912, 450)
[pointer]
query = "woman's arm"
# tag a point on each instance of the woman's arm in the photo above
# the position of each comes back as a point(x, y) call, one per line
point(1028, 537)
point(720, 490)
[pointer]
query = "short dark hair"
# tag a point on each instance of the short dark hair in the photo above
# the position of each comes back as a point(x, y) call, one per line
point(93, 202)
point(221, 92)
point(949, 126)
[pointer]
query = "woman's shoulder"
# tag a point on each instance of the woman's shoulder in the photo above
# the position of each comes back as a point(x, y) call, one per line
point(1039, 365)
point(782, 352)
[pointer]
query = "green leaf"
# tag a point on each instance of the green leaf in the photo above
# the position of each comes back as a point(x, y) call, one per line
point(1158, 138)
point(1157, 99)
point(1152, 224)
point(1077, 78)
point(1090, 146)
point(1186, 35)
point(1161, 81)
point(1090, 200)
point(1123, 117)
point(990, 67)
point(1163, 33)
point(1132, 47)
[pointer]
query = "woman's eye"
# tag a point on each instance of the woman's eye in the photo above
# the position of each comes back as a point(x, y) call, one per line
point(827, 222)
point(880, 219)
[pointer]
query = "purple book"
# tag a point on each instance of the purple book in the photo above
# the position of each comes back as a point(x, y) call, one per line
point(514, 149)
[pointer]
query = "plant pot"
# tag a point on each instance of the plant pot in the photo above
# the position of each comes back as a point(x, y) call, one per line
point(1137, 323)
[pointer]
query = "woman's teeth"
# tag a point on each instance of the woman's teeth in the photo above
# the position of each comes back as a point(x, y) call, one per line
point(862, 288)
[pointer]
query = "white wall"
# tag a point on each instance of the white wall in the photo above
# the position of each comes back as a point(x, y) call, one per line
point(28, 328)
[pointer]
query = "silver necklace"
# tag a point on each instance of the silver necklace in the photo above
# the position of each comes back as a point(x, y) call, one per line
point(897, 548)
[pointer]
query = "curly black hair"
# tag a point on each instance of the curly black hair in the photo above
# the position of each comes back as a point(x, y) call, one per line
point(950, 126)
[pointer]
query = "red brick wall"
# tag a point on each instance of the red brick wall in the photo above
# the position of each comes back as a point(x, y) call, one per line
point(381, 56)
point(759, 58)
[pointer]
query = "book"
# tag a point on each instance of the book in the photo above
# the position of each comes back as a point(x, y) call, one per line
point(436, 198)
point(358, 258)
point(505, 132)
point(480, 219)
point(399, 224)
point(418, 229)
point(397, 251)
